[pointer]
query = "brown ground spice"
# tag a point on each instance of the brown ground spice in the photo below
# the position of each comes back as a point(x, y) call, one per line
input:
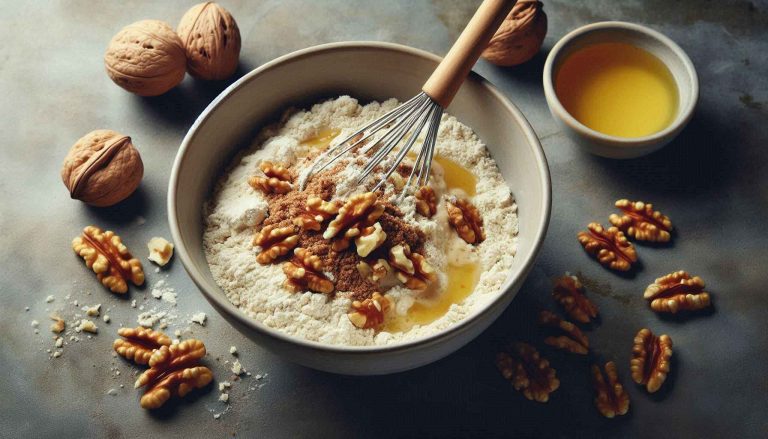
point(342, 266)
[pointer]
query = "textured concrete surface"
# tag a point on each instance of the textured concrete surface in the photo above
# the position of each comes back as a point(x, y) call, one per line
point(711, 181)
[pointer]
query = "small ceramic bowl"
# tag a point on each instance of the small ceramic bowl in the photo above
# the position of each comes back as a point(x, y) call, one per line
point(365, 70)
point(654, 42)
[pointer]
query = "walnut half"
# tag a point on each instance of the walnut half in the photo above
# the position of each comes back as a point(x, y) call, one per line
point(650, 359)
point(304, 272)
point(677, 291)
point(611, 399)
point(571, 338)
point(360, 211)
point(139, 343)
point(528, 371)
point(412, 269)
point(569, 293)
point(369, 313)
point(275, 242)
point(639, 221)
point(109, 258)
point(609, 246)
point(426, 201)
point(466, 220)
point(276, 180)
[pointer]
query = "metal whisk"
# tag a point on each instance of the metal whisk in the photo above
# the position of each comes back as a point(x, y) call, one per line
point(409, 119)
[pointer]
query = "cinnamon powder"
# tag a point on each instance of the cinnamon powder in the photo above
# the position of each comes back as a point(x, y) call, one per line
point(341, 266)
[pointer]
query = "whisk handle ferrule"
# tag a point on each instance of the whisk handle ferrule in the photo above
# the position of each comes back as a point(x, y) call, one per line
point(445, 81)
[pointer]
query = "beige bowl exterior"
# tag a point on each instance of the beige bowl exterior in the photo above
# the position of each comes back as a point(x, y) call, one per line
point(366, 70)
point(666, 50)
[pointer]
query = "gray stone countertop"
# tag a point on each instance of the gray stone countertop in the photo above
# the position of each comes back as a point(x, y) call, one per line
point(711, 181)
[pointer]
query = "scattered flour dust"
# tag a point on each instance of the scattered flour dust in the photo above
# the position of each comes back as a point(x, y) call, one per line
point(235, 210)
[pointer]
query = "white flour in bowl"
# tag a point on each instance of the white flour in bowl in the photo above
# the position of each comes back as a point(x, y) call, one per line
point(234, 213)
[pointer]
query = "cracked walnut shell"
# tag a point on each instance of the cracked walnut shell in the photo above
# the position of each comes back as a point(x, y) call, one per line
point(360, 211)
point(275, 242)
point(109, 258)
point(211, 39)
point(370, 312)
point(102, 168)
point(520, 35)
point(609, 246)
point(412, 269)
point(569, 293)
point(304, 273)
point(571, 340)
point(466, 220)
point(528, 371)
point(650, 359)
point(138, 344)
point(677, 291)
point(640, 222)
point(426, 201)
point(146, 58)
point(277, 179)
point(611, 399)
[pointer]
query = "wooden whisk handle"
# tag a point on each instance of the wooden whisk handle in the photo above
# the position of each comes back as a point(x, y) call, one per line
point(454, 68)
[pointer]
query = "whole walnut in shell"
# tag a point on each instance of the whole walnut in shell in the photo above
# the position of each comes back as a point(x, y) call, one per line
point(211, 39)
point(102, 168)
point(146, 58)
point(520, 36)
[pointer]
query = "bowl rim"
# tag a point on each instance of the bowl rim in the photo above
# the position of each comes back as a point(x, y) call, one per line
point(633, 142)
point(220, 302)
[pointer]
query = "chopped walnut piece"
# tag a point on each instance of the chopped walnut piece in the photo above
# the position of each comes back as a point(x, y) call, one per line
point(677, 291)
point(58, 324)
point(277, 179)
point(639, 221)
point(275, 242)
point(304, 272)
point(528, 371)
point(573, 341)
point(569, 293)
point(375, 272)
point(360, 211)
point(397, 180)
point(611, 399)
point(609, 246)
point(160, 250)
point(109, 258)
point(316, 212)
point(139, 343)
point(466, 220)
point(370, 239)
point(650, 359)
point(370, 312)
point(426, 201)
point(412, 269)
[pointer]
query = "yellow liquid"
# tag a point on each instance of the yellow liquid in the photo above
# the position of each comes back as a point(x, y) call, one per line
point(617, 89)
point(322, 139)
point(457, 176)
point(461, 283)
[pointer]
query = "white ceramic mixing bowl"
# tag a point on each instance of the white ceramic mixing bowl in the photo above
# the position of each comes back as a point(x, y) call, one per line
point(367, 71)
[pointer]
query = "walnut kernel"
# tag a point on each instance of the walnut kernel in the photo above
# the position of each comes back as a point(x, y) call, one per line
point(609, 246)
point(109, 258)
point(677, 291)
point(573, 340)
point(569, 293)
point(277, 179)
point(139, 343)
point(316, 212)
point(275, 242)
point(160, 250)
point(426, 201)
point(370, 239)
point(369, 313)
point(360, 211)
point(650, 359)
point(466, 220)
point(304, 272)
point(528, 371)
point(412, 269)
point(639, 221)
point(611, 399)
